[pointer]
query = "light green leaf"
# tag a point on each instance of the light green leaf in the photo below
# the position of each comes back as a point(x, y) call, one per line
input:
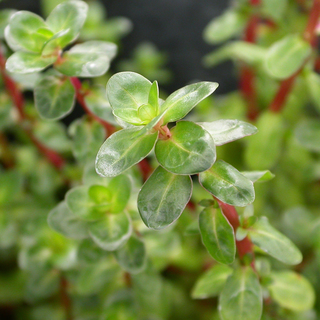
point(112, 231)
point(163, 197)
point(307, 133)
point(224, 27)
point(5, 16)
point(258, 176)
point(127, 91)
point(62, 220)
point(224, 131)
point(274, 243)
point(227, 184)
point(28, 62)
point(27, 31)
point(313, 85)
point(122, 150)
point(217, 235)
point(291, 291)
point(121, 188)
point(249, 53)
point(286, 56)
point(211, 283)
point(54, 97)
point(132, 256)
point(88, 59)
point(264, 148)
point(189, 150)
point(11, 183)
point(153, 98)
point(182, 101)
point(241, 297)
point(268, 7)
point(83, 206)
point(68, 16)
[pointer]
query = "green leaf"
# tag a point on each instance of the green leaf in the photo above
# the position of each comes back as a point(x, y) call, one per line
point(11, 183)
point(274, 243)
point(146, 113)
point(287, 56)
point(241, 297)
point(189, 150)
point(307, 133)
point(68, 17)
point(258, 176)
point(122, 150)
point(132, 256)
point(153, 98)
point(83, 206)
point(211, 283)
point(28, 62)
point(121, 188)
point(313, 86)
point(127, 91)
point(224, 27)
point(54, 97)
point(217, 235)
point(163, 197)
point(25, 32)
point(182, 101)
point(249, 53)
point(112, 231)
point(264, 148)
point(224, 131)
point(88, 59)
point(227, 184)
point(5, 16)
point(270, 5)
point(62, 220)
point(291, 291)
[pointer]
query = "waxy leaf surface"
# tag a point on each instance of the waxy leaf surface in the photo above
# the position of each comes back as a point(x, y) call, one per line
point(217, 235)
point(132, 255)
point(54, 97)
point(291, 291)
point(211, 283)
point(189, 150)
point(241, 297)
point(224, 131)
point(286, 56)
point(112, 231)
point(227, 184)
point(182, 101)
point(127, 91)
point(163, 197)
point(274, 243)
point(122, 150)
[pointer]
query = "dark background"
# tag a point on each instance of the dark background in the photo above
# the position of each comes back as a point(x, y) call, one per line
point(174, 26)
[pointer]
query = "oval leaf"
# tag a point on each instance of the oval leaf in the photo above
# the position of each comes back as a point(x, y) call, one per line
point(241, 297)
point(182, 101)
point(112, 231)
point(54, 97)
point(258, 176)
point(286, 56)
point(62, 220)
point(224, 131)
point(308, 134)
point(189, 150)
point(122, 150)
point(211, 283)
point(274, 243)
point(127, 91)
point(292, 291)
point(163, 197)
point(217, 235)
point(227, 184)
point(132, 256)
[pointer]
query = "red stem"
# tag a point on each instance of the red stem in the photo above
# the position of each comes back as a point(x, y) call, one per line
point(80, 95)
point(65, 299)
point(17, 98)
point(309, 35)
point(145, 169)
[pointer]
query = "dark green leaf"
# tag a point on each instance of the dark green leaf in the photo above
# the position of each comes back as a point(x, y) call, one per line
point(227, 184)
point(122, 150)
point(241, 297)
point(217, 235)
point(189, 150)
point(163, 198)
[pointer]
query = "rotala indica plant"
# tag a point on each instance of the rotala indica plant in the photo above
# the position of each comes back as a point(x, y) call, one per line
point(131, 212)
